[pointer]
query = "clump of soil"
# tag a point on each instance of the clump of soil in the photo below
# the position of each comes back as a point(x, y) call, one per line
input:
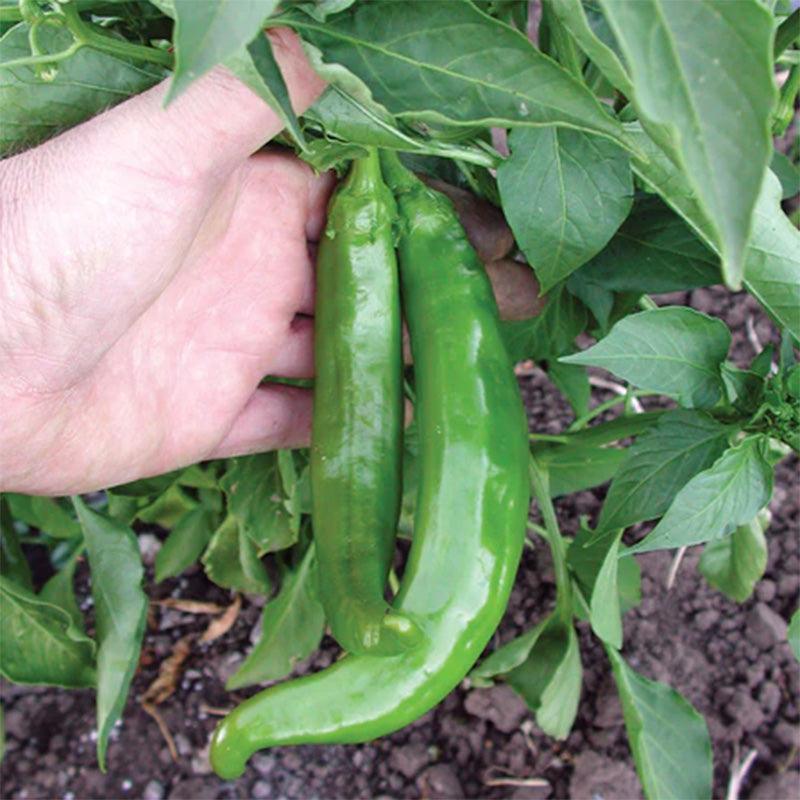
point(731, 661)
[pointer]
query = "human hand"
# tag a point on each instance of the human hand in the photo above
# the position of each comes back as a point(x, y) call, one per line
point(153, 270)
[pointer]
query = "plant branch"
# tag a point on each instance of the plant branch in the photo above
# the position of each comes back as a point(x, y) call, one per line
point(787, 32)
point(541, 492)
point(95, 37)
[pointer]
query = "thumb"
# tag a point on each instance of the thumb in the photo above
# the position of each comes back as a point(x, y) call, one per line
point(212, 126)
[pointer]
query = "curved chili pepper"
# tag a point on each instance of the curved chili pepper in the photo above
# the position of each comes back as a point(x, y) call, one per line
point(357, 435)
point(471, 512)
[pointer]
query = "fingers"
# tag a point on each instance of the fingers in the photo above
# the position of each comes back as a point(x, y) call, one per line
point(296, 356)
point(320, 190)
point(213, 125)
point(275, 417)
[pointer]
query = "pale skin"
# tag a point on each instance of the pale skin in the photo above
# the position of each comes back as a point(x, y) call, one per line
point(155, 265)
point(154, 268)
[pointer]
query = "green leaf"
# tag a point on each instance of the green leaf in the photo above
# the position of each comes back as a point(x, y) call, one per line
point(653, 252)
point(582, 189)
point(209, 31)
point(793, 634)
point(593, 557)
point(629, 582)
point(508, 657)
point(691, 83)
point(658, 465)
point(291, 628)
point(787, 172)
point(549, 334)
point(32, 110)
point(669, 739)
point(772, 263)
point(550, 679)
point(576, 467)
point(572, 15)
point(772, 272)
point(256, 498)
point(256, 67)
point(353, 120)
point(735, 564)
point(398, 51)
point(120, 613)
point(185, 543)
point(147, 487)
point(41, 645)
point(231, 560)
point(573, 382)
point(60, 590)
point(676, 351)
point(44, 514)
point(13, 564)
point(716, 501)
point(167, 508)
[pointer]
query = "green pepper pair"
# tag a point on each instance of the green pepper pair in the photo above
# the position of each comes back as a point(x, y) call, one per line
point(473, 492)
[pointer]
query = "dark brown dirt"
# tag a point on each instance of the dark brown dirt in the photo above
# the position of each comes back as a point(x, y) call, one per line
point(729, 660)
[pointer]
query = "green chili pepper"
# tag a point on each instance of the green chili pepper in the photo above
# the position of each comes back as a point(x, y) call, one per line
point(471, 512)
point(357, 438)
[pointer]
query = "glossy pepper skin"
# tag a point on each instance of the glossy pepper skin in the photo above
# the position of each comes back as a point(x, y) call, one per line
point(471, 512)
point(357, 431)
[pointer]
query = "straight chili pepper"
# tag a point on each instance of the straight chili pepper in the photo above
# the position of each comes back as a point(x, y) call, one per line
point(471, 511)
point(357, 435)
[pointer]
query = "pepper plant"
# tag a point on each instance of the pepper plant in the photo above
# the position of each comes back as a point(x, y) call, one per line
point(629, 148)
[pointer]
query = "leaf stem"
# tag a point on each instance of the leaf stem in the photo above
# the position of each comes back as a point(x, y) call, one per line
point(784, 111)
point(10, 14)
point(787, 32)
point(541, 492)
point(95, 37)
point(48, 58)
point(583, 421)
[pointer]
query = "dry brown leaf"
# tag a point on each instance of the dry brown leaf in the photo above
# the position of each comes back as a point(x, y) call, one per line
point(169, 672)
point(215, 711)
point(162, 726)
point(222, 624)
point(190, 606)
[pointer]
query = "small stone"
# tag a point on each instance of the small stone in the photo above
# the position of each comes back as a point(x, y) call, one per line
point(194, 789)
point(201, 765)
point(770, 698)
point(706, 620)
point(598, 778)
point(409, 760)
point(16, 724)
point(609, 712)
point(765, 627)
point(789, 585)
point(765, 591)
point(755, 674)
point(183, 745)
point(149, 546)
point(261, 789)
point(778, 785)
point(153, 791)
point(440, 781)
point(263, 763)
point(787, 734)
point(746, 711)
point(227, 665)
point(501, 705)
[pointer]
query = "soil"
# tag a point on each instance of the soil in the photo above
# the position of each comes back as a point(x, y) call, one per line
point(731, 661)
